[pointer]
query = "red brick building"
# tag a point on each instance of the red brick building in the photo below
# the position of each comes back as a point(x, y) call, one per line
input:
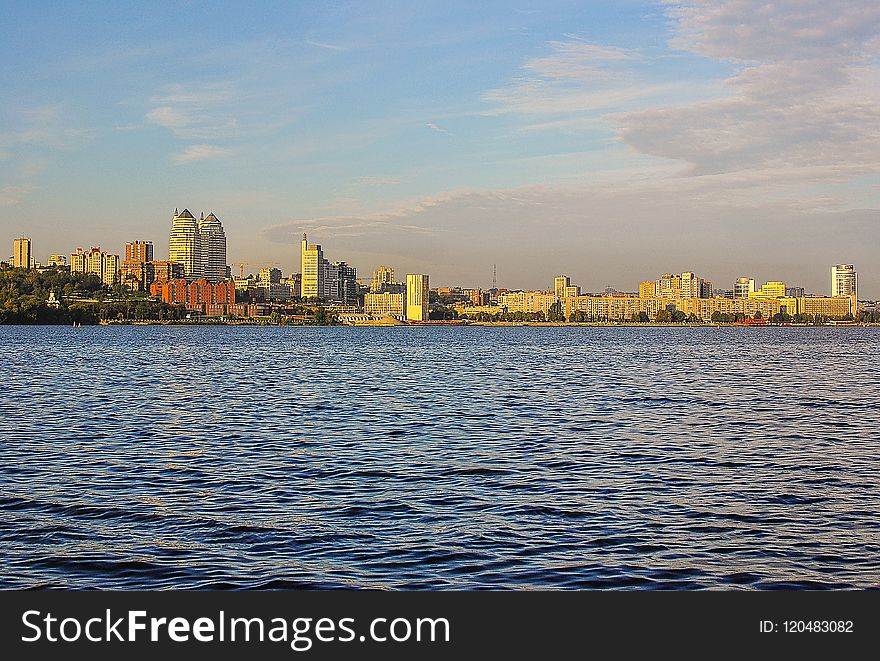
point(195, 294)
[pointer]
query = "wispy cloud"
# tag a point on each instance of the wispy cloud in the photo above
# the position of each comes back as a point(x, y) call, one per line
point(196, 111)
point(13, 194)
point(201, 153)
point(434, 127)
point(376, 181)
point(576, 76)
point(324, 45)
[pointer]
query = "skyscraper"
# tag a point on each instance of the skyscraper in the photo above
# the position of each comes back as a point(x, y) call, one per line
point(21, 253)
point(844, 281)
point(417, 297)
point(213, 248)
point(345, 284)
point(184, 245)
point(312, 270)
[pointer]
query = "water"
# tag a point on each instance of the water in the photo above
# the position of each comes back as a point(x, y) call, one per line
point(414, 458)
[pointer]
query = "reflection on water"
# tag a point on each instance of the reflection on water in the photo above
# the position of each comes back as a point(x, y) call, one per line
point(235, 457)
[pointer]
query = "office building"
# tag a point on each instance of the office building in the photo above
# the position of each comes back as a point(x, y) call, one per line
point(336, 283)
point(212, 240)
point(844, 281)
point(57, 260)
point(417, 297)
point(342, 284)
point(184, 244)
point(312, 284)
point(21, 253)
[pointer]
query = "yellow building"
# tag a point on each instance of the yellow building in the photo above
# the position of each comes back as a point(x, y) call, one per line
point(21, 255)
point(109, 268)
point(832, 307)
point(647, 289)
point(312, 285)
point(769, 290)
point(384, 303)
point(528, 302)
point(101, 264)
point(417, 297)
point(560, 283)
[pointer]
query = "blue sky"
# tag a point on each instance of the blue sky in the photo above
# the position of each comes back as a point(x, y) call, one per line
point(610, 141)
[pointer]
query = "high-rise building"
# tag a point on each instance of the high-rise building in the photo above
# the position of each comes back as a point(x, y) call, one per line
point(341, 284)
point(335, 282)
point(101, 264)
point(382, 278)
point(21, 253)
point(560, 282)
point(213, 248)
point(844, 281)
point(743, 287)
point(139, 251)
point(417, 297)
point(137, 272)
point(312, 285)
point(184, 244)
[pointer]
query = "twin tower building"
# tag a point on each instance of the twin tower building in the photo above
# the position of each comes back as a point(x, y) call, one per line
point(199, 245)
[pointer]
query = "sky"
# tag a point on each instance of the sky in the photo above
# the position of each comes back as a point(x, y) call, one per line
point(612, 142)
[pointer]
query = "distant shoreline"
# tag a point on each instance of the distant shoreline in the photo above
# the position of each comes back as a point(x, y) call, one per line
point(473, 324)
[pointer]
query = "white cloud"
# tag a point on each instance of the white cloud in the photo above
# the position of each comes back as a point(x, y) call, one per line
point(196, 111)
point(806, 92)
point(434, 127)
point(202, 153)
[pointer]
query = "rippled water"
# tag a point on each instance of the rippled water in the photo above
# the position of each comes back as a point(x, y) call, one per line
point(199, 457)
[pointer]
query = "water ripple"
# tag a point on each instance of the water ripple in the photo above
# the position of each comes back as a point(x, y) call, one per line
point(439, 458)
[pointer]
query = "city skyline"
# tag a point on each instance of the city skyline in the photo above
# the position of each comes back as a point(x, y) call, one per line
point(339, 281)
point(604, 141)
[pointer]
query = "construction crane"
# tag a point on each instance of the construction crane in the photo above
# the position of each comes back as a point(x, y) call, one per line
point(241, 266)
